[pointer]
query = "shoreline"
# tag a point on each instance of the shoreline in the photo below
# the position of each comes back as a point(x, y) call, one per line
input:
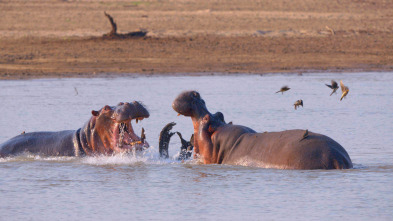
point(61, 39)
point(32, 76)
point(31, 58)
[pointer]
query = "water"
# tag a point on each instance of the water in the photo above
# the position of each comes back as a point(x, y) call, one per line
point(148, 188)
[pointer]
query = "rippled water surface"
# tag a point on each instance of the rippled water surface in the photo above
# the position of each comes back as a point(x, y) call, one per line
point(148, 188)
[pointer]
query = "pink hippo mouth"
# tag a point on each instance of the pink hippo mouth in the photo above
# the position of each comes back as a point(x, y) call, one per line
point(111, 129)
point(125, 139)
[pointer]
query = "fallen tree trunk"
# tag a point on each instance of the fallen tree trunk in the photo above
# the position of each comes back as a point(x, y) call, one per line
point(113, 33)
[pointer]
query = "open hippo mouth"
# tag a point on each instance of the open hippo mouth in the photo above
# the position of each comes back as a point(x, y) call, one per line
point(114, 129)
point(124, 135)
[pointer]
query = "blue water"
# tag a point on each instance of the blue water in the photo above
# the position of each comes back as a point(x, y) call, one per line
point(149, 188)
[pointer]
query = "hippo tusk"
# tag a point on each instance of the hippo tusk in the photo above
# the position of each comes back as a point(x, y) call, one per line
point(136, 142)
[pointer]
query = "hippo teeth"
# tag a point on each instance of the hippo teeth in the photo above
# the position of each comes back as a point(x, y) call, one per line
point(139, 119)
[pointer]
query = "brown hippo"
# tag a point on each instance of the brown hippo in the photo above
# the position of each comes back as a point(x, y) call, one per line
point(218, 142)
point(108, 131)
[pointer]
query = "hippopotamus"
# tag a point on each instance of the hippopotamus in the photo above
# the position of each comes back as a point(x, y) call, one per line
point(108, 131)
point(217, 142)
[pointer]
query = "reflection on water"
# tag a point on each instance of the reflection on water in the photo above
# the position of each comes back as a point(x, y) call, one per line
point(147, 187)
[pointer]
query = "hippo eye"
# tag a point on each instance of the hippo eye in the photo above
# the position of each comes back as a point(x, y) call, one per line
point(121, 103)
point(107, 108)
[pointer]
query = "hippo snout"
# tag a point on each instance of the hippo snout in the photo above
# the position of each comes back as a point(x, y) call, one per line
point(128, 111)
point(188, 102)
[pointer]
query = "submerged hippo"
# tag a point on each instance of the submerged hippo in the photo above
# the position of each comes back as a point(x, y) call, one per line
point(218, 142)
point(108, 131)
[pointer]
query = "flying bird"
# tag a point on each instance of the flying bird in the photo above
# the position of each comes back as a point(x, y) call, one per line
point(283, 89)
point(305, 135)
point(344, 90)
point(298, 103)
point(334, 86)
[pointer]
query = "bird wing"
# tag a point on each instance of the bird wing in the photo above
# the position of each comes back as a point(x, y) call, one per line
point(329, 86)
point(334, 84)
point(334, 91)
point(343, 95)
point(342, 86)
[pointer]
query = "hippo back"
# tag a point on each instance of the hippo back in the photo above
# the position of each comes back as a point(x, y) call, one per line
point(225, 138)
point(287, 150)
point(59, 143)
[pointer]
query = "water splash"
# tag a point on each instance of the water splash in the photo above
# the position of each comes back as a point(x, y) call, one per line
point(26, 157)
point(122, 127)
point(248, 162)
point(148, 156)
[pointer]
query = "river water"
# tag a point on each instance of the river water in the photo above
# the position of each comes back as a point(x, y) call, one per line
point(149, 188)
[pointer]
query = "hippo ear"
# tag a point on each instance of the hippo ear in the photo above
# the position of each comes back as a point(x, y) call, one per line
point(94, 113)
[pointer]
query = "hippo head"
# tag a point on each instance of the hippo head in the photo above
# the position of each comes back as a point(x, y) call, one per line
point(190, 104)
point(110, 131)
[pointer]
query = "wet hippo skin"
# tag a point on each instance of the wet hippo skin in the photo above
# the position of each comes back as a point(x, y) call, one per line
point(108, 131)
point(218, 142)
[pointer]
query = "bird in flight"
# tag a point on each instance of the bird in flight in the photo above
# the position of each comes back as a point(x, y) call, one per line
point(344, 90)
point(298, 103)
point(283, 89)
point(333, 86)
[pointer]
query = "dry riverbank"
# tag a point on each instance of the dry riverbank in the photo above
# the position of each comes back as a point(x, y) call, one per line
point(63, 38)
